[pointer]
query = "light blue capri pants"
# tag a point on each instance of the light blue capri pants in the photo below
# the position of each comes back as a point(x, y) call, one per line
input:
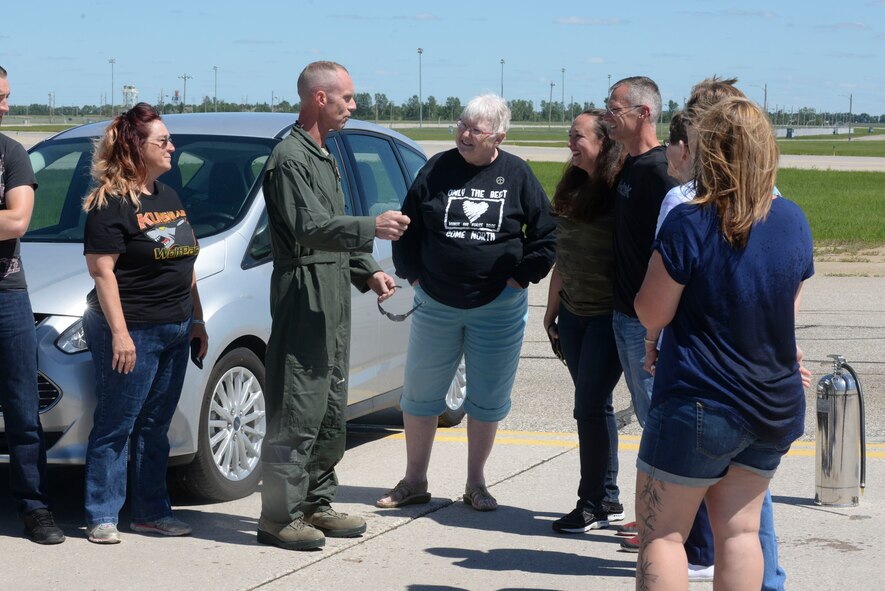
point(490, 339)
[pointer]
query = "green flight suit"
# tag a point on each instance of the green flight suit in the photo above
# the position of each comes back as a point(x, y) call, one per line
point(318, 252)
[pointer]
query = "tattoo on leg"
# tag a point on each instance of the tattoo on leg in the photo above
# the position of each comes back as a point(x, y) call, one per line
point(651, 505)
point(643, 578)
point(650, 495)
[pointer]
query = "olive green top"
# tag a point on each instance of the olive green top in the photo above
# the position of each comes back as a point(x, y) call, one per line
point(585, 259)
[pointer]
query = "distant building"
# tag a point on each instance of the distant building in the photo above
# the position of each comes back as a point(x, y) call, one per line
point(130, 96)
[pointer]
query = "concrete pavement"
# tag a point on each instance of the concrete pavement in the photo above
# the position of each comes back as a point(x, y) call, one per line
point(550, 154)
point(533, 472)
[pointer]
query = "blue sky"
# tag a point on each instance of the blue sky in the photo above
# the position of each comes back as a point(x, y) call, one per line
point(808, 52)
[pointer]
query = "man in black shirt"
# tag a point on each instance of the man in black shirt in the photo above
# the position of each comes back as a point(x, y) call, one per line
point(18, 343)
point(633, 108)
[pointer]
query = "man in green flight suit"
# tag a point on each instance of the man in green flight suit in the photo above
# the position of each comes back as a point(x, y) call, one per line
point(318, 252)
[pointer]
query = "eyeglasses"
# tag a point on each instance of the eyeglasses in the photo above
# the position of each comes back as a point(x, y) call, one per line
point(398, 317)
point(613, 112)
point(472, 130)
point(161, 142)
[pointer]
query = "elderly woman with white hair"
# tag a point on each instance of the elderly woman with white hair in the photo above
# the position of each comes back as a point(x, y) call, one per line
point(481, 231)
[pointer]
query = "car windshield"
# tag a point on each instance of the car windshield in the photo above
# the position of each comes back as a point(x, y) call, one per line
point(213, 175)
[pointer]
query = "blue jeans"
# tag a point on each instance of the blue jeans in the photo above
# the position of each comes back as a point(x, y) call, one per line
point(138, 405)
point(18, 395)
point(588, 345)
point(773, 576)
point(629, 335)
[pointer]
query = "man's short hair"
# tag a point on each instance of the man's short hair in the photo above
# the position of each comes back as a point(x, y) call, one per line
point(709, 92)
point(642, 91)
point(317, 75)
point(2, 72)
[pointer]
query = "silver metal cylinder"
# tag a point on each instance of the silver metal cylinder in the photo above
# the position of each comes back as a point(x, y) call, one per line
point(839, 449)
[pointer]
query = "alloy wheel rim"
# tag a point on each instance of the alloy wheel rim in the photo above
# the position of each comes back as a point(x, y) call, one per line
point(237, 423)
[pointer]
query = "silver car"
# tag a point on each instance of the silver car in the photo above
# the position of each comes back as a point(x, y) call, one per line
point(218, 164)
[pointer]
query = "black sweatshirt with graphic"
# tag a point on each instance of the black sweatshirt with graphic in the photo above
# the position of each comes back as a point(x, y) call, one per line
point(474, 227)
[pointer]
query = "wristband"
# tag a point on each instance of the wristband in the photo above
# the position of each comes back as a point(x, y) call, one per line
point(198, 321)
point(650, 341)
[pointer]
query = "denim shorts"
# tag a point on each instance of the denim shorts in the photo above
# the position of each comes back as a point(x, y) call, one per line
point(690, 442)
point(490, 339)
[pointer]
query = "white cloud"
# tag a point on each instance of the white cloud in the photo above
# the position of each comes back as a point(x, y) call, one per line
point(588, 22)
point(844, 27)
point(594, 60)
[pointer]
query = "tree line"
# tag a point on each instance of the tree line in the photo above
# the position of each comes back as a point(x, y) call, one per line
point(377, 107)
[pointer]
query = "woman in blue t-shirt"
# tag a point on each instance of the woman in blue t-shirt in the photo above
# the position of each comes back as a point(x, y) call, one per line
point(139, 322)
point(724, 278)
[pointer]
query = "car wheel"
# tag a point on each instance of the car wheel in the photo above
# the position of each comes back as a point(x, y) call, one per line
point(454, 414)
point(233, 423)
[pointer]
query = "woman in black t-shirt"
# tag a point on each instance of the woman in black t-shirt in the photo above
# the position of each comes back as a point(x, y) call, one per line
point(141, 318)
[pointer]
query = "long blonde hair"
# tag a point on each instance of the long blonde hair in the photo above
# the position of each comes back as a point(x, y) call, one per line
point(736, 166)
point(118, 161)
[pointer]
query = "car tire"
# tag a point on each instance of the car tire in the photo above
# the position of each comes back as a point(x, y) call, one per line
point(233, 423)
point(454, 413)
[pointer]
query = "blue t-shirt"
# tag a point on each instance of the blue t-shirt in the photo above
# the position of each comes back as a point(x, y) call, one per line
point(732, 341)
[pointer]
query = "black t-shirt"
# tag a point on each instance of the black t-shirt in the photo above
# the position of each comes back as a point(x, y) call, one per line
point(642, 186)
point(15, 171)
point(157, 250)
point(466, 235)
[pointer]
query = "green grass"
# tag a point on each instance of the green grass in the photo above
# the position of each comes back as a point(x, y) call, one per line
point(832, 148)
point(844, 209)
point(40, 128)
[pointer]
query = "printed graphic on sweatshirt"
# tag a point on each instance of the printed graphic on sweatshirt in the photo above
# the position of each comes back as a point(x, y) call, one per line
point(172, 231)
point(474, 213)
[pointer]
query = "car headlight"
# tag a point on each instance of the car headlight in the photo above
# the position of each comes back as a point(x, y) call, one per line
point(73, 340)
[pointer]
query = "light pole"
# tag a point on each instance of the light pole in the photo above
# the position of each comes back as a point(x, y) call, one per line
point(609, 89)
point(215, 98)
point(502, 77)
point(184, 77)
point(550, 106)
point(850, 106)
point(563, 96)
point(112, 61)
point(271, 101)
point(420, 95)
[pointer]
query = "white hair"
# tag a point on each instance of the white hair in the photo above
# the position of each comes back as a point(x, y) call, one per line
point(488, 108)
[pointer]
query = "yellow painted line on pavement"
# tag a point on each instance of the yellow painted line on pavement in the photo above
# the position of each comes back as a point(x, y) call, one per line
point(625, 442)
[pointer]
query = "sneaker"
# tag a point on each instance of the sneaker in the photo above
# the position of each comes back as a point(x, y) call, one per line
point(697, 572)
point(337, 525)
point(297, 535)
point(615, 511)
point(40, 527)
point(580, 521)
point(165, 526)
point(626, 529)
point(103, 533)
point(631, 545)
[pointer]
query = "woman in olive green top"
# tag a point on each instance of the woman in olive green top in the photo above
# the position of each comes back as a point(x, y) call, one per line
point(579, 315)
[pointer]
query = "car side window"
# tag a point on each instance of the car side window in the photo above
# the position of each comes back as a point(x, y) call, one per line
point(380, 178)
point(335, 150)
point(63, 179)
point(414, 160)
